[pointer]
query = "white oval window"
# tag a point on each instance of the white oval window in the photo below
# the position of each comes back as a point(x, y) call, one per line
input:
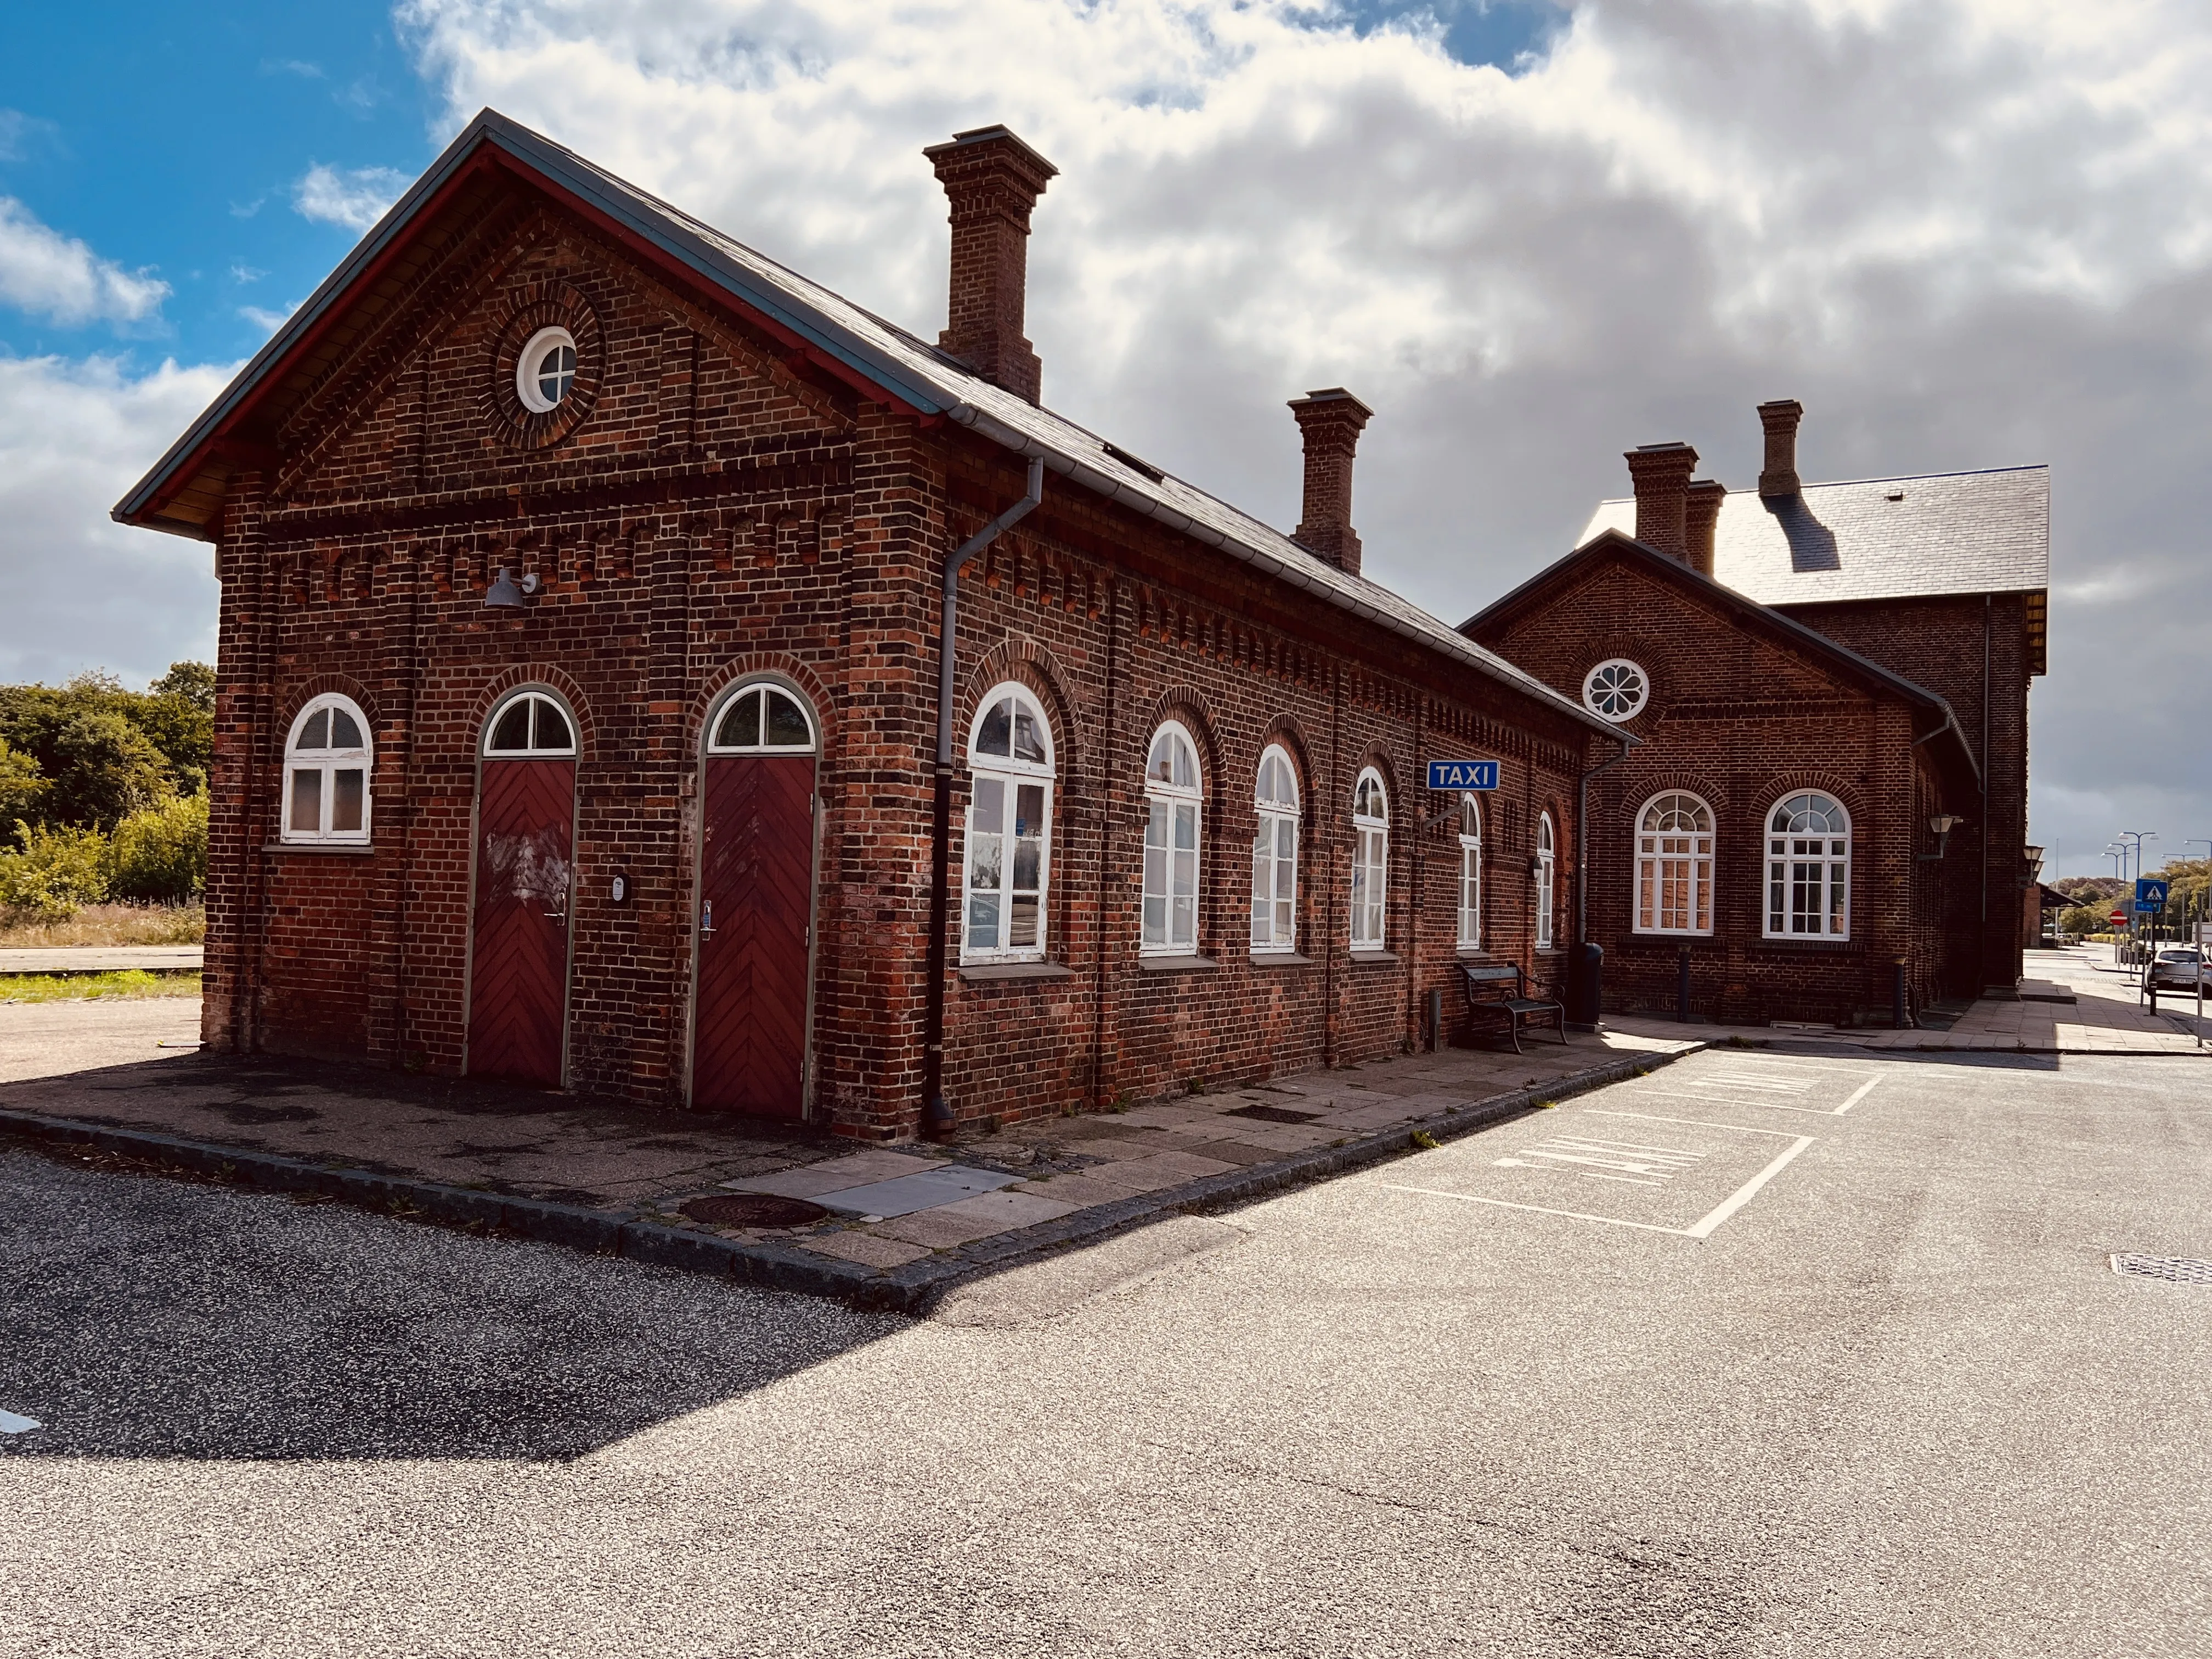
point(546, 370)
point(1616, 690)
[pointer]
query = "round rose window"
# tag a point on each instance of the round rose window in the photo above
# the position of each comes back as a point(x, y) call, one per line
point(1616, 690)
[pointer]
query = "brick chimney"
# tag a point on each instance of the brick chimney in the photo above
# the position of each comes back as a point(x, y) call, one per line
point(1661, 473)
point(1701, 510)
point(1331, 420)
point(993, 179)
point(1780, 418)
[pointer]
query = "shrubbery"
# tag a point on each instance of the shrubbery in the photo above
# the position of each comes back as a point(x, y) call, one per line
point(157, 855)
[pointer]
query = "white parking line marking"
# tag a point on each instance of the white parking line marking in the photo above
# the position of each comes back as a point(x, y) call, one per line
point(1699, 1122)
point(1578, 1215)
point(12, 1424)
point(1769, 1105)
point(1734, 1080)
point(1628, 1156)
point(1743, 1195)
point(1865, 1089)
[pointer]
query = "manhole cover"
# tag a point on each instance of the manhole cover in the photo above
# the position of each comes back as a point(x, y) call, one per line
point(1273, 1115)
point(2181, 1269)
point(753, 1210)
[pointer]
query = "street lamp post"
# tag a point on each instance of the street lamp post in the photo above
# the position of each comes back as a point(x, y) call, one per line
point(2139, 836)
point(2119, 854)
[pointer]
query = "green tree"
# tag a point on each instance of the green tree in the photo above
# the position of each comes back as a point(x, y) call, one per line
point(192, 681)
point(106, 769)
point(22, 786)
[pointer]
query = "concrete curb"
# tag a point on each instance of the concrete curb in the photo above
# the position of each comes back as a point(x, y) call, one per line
point(912, 1289)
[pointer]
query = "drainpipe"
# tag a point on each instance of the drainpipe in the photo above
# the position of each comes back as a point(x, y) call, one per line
point(936, 1116)
point(1982, 932)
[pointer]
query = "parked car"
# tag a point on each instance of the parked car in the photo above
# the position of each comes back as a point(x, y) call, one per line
point(2176, 970)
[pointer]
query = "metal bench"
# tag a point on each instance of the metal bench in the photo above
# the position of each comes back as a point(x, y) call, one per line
point(1498, 993)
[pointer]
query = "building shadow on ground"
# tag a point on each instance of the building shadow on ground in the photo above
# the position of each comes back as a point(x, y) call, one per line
point(149, 1317)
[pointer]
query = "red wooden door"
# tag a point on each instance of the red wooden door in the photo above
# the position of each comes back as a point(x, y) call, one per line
point(519, 970)
point(756, 897)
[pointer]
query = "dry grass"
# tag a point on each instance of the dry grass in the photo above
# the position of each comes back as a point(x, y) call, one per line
point(75, 987)
point(107, 924)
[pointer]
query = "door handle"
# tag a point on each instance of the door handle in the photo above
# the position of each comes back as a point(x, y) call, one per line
point(706, 920)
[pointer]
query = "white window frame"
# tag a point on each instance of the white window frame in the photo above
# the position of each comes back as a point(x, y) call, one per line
point(527, 367)
point(754, 689)
point(1371, 862)
point(1664, 869)
point(1275, 856)
point(1470, 873)
point(326, 764)
point(1790, 860)
point(1548, 880)
point(1010, 777)
point(1174, 846)
point(535, 750)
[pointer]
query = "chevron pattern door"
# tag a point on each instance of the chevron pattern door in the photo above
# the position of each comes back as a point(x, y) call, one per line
point(755, 897)
point(518, 967)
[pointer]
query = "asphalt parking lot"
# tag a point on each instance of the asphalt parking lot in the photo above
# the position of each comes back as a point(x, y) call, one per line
point(1762, 1354)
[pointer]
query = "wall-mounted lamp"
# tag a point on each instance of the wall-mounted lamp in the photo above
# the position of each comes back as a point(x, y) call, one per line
point(504, 594)
point(1941, 824)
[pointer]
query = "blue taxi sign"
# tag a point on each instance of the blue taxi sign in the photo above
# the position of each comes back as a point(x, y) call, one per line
point(1463, 775)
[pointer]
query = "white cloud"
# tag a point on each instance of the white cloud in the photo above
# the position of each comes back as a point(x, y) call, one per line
point(83, 591)
point(59, 278)
point(267, 321)
point(354, 197)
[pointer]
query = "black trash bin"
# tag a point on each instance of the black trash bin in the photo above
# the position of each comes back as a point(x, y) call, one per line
point(1585, 975)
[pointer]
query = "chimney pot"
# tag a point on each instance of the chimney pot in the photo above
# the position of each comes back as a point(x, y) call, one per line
point(1701, 512)
point(1330, 421)
point(993, 179)
point(1780, 418)
point(1661, 475)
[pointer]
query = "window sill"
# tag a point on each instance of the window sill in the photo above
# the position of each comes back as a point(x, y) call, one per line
point(998, 970)
point(1193, 964)
point(1379, 956)
point(342, 849)
point(1471, 952)
point(1767, 943)
point(1280, 959)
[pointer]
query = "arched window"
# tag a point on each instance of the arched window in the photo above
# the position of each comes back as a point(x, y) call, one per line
point(763, 719)
point(1808, 868)
point(1470, 873)
point(1675, 866)
point(1547, 879)
point(1173, 794)
point(1275, 854)
point(1370, 860)
point(327, 768)
point(1004, 882)
point(529, 723)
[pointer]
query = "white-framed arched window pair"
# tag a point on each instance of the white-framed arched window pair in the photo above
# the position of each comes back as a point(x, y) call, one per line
point(1370, 860)
point(1275, 854)
point(1675, 866)
point(328, 763)
point(1470, 873)
point(1009, 862)
point(1173, 798)
point(1808, 868)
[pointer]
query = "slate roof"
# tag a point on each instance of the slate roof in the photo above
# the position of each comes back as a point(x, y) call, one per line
point(1949, 532)
point(918, 374)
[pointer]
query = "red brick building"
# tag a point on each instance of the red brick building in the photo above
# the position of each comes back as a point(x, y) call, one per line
point(1828, 813)
point(579, 711)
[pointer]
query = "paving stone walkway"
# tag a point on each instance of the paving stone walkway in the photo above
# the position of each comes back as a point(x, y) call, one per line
point(2071, 1001)
point(885, 1206)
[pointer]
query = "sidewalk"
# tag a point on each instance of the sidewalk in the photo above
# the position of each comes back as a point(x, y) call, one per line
point(780, 1197)
point(104, 959)
point(2071, 1002)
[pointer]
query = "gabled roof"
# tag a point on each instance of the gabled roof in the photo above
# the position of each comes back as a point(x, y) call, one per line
point(1879, 539)
point(879, 358)
point(1937, 719)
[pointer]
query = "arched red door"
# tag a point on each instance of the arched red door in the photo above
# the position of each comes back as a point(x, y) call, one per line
point(525, 879)
point(755, 907)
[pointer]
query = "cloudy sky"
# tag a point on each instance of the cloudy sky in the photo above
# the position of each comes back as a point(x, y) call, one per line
point(1964, 233)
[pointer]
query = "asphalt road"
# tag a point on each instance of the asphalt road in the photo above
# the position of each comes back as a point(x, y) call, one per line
point(1706, 1366)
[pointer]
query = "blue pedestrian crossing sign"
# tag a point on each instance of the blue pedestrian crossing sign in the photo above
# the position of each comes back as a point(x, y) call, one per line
point(1462, 775)
point(2150, 897)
